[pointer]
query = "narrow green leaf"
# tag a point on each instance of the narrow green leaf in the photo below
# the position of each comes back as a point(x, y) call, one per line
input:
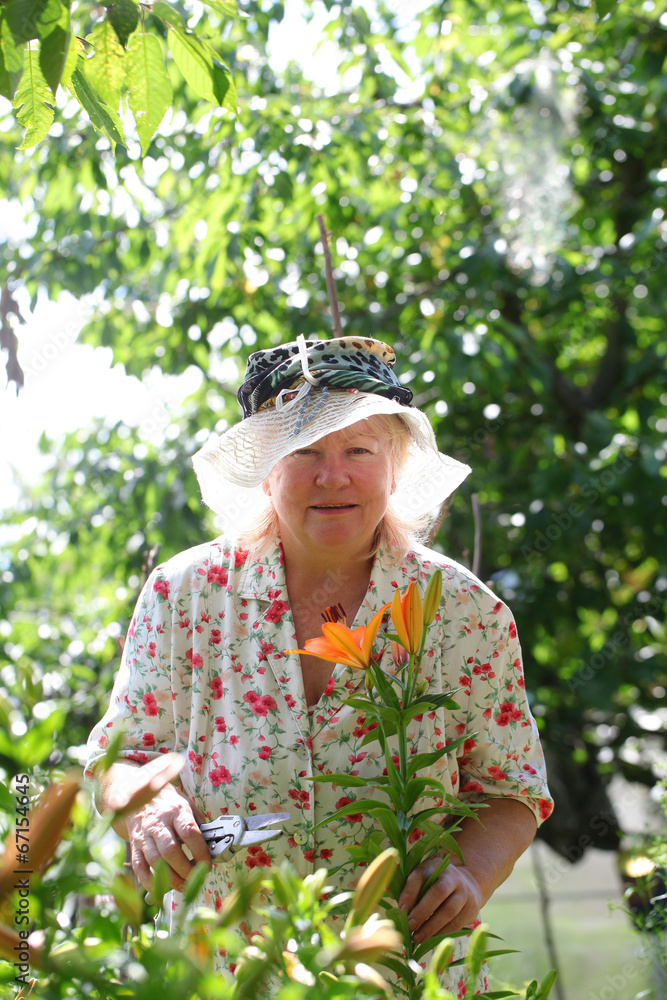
point(160, 882)
point(359, 703)
point(547, 985)
point(124, 18)
point(420, 817)
point(33, 109)
point(425, 760)
point(475, 951)
point(341, 779)
point(12, 52)
point(417, 787)
point(434, 876)
point(106, 68)
point(54, 50)
point(194, 883)
point(359, 806)
point(103, 118)
point(148, 83)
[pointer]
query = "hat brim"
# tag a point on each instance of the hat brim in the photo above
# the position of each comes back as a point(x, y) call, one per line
point(232, 467)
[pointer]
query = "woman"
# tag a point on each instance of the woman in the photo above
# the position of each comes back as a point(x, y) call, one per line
point(320, 488)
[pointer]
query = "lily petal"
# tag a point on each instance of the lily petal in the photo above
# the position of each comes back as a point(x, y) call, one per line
point(345, 640)
point(321, 648)
point(398, 620)
point(370, 633)
point(413, 610)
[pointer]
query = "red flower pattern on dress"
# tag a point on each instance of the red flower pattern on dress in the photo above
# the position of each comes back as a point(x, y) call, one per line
point(257, 858)
point(245, 748)
point(150, 704)
point(508, 713)
point(350, 817)
point(220, 776)
point(276, 611)
point(260, 704)
point(161, 587)
point(196, 660)
point(217, 575)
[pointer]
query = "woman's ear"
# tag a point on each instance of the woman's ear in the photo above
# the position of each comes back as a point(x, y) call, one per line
point(266, 487)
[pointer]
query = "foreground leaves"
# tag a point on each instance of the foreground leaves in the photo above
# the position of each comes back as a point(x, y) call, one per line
point(124, 53)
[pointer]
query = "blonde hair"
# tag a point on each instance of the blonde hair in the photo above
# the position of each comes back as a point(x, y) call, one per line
point(393, 532)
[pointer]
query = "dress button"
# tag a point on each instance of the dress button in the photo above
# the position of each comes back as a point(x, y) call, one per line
point(300, 838)
point(302, 752)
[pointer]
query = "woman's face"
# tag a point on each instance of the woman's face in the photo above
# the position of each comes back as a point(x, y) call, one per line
point(331, 495)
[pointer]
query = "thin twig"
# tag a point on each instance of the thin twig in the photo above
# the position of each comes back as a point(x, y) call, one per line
point(331, 284)
point(545, 904)
point(477, 548)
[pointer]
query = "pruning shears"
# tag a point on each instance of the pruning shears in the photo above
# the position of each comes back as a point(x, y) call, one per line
point(227, 835)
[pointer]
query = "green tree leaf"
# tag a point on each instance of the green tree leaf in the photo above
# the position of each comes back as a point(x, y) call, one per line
point(166, 12)
point(223, 6)
point(106, 68)
point(12, 53)
point(603, 7)
point(149, 85)
point(33, 109)
point(124, 18)
point(54, 51)
point(194, 62)
point(202, 68)
point(5, 85)
point(104, 118)
point(24, 17)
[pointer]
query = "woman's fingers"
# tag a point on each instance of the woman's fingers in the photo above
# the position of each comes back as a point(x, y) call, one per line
point(449, 905)
point(160, 830)
point(189, 834)
point(410, 894)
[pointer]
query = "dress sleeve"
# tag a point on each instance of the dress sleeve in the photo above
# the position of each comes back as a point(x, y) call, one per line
point(141, 700)
point(502, 755)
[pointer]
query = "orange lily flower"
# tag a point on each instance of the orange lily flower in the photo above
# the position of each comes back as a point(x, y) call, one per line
point(340, 644)
point(407, 614)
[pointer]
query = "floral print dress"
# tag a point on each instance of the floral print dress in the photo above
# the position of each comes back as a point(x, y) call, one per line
point(204, 673)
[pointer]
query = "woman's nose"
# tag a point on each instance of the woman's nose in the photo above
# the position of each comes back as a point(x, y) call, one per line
point(332, 472)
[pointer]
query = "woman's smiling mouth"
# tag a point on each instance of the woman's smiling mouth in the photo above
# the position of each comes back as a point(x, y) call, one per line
point(333, 506)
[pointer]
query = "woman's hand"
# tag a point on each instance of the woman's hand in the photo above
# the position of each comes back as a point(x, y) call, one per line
point(160, 829)
point(490, 846)
point(452, 902)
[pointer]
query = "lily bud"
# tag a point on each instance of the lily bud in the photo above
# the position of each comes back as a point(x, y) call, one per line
point(421, 688)
point(369, 682)
point(407, 614)
point(372, 885)
point(399, 655)
point(370, 941)
point(432, 597)
point(442, 956)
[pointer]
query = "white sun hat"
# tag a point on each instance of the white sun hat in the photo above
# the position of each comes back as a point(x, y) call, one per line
point(295, 394)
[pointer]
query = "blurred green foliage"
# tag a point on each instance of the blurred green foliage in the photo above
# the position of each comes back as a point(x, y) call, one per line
point(494, 178)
